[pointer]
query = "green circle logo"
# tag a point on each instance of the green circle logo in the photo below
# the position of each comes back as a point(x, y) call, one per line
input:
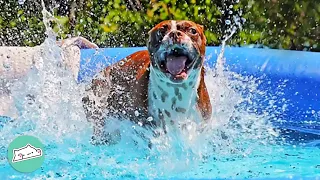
point(26, 154)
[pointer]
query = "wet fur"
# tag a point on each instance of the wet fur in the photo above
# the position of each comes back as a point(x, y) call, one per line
point(123, 89)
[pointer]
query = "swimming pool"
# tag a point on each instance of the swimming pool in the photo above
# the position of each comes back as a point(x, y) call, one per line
point(243, 142)
point(74, 160)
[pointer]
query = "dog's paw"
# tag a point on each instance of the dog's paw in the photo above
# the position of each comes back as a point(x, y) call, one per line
point(81, 42)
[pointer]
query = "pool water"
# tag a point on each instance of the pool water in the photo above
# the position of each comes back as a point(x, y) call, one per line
point(238, 142)
point(76, 158)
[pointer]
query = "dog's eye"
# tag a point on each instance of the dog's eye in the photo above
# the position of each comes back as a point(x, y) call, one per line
point(163, 30)
point(160, 33)
point(193, 31)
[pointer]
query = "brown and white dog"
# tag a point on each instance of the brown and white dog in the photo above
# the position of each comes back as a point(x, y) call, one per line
point(155, 87)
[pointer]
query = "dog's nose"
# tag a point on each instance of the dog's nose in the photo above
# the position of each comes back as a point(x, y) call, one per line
point(175, 35)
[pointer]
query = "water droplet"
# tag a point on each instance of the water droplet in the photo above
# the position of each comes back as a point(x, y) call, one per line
point(121, 63)
point(228, 22)
point(150, 119)
point(136, 113)
point(21, 2)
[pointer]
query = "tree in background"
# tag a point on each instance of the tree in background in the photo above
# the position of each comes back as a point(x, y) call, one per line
point(286, 24)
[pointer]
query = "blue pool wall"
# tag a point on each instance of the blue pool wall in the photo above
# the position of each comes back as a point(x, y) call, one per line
point(290, 77)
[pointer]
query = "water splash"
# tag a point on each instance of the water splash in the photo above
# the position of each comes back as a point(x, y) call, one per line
point(48, 97)
point(50, 107)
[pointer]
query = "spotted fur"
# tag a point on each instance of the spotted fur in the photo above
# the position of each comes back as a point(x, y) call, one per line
point(179, 102)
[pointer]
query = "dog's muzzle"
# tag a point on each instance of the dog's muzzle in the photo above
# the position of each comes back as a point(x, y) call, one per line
point(176, 61)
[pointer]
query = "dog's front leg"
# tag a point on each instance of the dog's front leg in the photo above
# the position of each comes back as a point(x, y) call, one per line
point(96, 105)
point(103, 131)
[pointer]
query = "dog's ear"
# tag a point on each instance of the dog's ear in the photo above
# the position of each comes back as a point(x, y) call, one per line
point(149, 32)
point(149, 36)
point(204, 103)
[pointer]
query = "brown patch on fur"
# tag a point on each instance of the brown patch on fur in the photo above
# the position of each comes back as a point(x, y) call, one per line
point(164, 95)
point(174, 102)
point(131, 77)
point(160, 115)
point(172, 122)
point(204, 99)
point(184, 86)
point(167, 113)
point(154, 95)
point(181, 110)
point(180, 97)
point(176, 91)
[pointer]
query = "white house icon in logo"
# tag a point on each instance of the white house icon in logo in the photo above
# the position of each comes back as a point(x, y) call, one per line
point(25, 153)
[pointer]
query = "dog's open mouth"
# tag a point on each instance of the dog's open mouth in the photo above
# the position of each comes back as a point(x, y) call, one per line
point(177, 65)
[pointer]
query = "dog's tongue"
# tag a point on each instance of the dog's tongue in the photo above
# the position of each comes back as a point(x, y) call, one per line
point(175, 65)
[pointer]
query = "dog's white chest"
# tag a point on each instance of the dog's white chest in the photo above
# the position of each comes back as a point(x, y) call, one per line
point(170, 104)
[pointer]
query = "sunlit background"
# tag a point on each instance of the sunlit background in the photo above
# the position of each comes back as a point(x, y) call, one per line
point(287, 24)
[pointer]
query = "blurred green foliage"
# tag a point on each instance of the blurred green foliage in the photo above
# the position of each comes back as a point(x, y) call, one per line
point(20, 25)
point(284, 24)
